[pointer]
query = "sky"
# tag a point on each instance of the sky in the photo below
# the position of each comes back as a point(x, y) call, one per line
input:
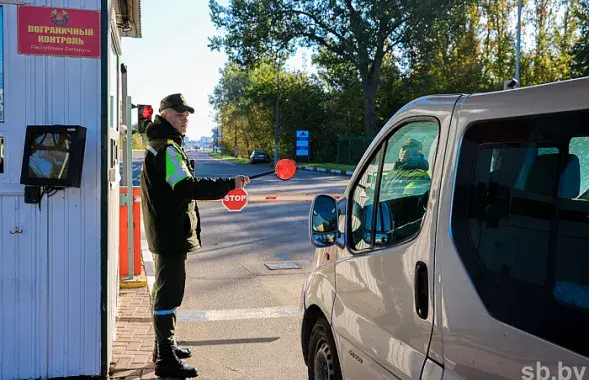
point(172, 56)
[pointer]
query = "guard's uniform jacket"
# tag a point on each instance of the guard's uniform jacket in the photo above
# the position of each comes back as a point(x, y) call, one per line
point(169, 190)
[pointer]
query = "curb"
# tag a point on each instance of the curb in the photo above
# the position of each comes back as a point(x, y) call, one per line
point(326, 171)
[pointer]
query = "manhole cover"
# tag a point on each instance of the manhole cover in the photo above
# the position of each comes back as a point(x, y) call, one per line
point(284, 265)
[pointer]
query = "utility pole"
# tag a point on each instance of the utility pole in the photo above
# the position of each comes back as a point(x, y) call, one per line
point(518, 48)
point(276, 132)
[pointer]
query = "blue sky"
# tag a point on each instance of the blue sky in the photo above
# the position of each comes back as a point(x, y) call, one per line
point(172, 56)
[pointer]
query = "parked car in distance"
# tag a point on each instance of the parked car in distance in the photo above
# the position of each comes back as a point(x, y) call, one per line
point(259, 155)
point(459, 247)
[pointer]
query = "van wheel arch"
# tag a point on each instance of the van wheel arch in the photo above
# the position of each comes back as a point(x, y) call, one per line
point(312, 315)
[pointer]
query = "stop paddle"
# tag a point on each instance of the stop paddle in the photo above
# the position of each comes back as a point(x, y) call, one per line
point(284, 169)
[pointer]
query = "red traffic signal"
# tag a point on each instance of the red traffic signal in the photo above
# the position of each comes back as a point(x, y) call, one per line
point(147, 112)
point(144, 113)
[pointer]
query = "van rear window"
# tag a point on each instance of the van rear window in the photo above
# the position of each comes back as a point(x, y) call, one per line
point(521, 223)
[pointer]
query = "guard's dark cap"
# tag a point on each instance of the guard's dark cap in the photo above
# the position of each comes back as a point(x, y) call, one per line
point(413, 143)
point(176, 102)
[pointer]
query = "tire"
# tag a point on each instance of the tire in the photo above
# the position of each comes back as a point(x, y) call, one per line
point(323, 359)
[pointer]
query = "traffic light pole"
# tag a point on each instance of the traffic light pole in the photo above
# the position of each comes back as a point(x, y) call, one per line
point(125, 113)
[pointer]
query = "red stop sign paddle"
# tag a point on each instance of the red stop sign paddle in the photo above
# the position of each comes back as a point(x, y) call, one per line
point(235, 200)
point(284, 169)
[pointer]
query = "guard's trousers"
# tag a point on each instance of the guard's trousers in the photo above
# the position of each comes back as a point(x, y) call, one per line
point(168, 292)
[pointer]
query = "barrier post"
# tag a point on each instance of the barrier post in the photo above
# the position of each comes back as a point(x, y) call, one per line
point(129, 149)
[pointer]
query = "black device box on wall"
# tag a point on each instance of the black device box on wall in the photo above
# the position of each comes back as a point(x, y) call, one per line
point(53, 156)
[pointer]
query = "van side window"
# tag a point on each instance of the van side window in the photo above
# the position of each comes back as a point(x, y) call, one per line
point(403, 189)
point(580, 148)
point(520, 221)
point(406, 182)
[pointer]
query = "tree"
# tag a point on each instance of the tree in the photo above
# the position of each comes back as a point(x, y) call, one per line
point(360, 32)
point(449, 58)
point(565, 37)
point(245, 100)
point(580, 60)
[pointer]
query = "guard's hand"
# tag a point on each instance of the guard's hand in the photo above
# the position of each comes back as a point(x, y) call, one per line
point(241, 181)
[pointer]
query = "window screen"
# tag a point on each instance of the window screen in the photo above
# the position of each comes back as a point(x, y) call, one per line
point(50, 155)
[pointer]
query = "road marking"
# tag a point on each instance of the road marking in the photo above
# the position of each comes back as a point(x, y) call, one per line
point(196, 316)
point(214, 159)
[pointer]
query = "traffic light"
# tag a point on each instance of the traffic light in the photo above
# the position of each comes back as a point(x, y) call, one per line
point(144, 113)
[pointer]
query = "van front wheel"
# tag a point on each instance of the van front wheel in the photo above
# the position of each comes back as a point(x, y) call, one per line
point(323, 360)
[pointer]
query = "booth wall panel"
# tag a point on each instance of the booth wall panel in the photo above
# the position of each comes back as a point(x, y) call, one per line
point(23, 289)
point(50, 315)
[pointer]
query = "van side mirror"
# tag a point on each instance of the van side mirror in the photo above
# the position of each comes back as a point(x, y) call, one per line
point(323, 221)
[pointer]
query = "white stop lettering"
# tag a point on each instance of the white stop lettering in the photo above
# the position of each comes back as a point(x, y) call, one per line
point(234, 198)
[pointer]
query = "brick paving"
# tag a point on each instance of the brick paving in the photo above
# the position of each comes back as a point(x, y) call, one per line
point(133, 344)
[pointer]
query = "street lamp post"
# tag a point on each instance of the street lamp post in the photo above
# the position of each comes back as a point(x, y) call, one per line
point(518, 48)
point(276, 131)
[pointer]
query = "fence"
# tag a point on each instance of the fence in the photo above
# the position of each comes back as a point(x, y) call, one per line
point(350, 149)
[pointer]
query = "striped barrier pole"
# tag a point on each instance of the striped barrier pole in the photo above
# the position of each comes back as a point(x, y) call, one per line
point(280, 197)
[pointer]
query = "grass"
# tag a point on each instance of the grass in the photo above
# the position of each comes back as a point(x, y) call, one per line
point(225, 157)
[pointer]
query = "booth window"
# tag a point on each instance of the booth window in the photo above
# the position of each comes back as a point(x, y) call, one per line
point(1, 67)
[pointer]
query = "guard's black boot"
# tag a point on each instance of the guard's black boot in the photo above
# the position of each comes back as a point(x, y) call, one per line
point(181, 353)
point(169, 365)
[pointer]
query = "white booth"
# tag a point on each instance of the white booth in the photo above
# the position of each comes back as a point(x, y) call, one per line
point(61, 112)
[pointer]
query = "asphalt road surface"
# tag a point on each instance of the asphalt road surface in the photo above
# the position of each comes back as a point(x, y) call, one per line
point(239, 317)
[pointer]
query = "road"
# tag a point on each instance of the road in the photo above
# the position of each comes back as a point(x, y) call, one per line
point(238, 316)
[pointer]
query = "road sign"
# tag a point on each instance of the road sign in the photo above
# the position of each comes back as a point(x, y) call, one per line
point(235, 200)
point(302, 148)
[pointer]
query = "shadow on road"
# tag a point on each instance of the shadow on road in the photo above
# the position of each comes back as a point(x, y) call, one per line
point(222, 342)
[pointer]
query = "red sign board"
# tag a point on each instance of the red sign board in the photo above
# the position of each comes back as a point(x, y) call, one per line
point(58, 32)
point(235, 200)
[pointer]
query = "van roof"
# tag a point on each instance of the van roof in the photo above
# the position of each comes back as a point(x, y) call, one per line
point(529, 91)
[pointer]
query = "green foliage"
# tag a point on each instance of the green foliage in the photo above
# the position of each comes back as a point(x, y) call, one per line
point(360, 33)
point(139, 141)
point(580, 51)
point(373, 57)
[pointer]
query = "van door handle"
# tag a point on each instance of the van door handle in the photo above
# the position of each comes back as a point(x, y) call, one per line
point(421, 290)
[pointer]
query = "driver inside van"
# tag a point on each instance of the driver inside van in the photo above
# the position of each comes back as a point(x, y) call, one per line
point(409, 175)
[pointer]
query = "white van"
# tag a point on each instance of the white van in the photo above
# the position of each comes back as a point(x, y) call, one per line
point(460, 248)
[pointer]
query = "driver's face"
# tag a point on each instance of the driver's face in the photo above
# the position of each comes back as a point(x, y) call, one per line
point(408, 153)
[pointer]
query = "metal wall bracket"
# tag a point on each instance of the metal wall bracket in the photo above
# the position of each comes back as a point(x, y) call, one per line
point(124, 200)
